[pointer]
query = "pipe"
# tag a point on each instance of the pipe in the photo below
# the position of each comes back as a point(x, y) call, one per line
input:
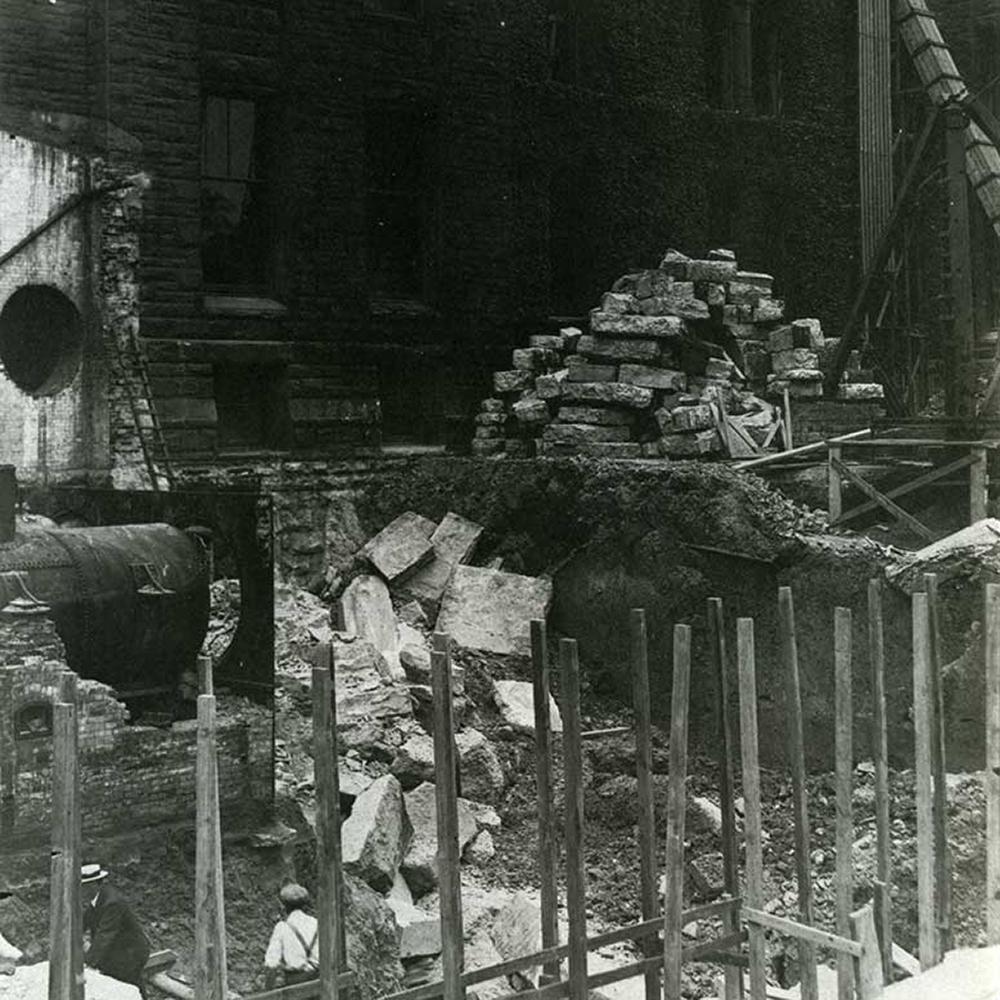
point(8, 502)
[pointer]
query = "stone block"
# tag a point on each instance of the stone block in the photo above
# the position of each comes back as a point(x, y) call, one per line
point(808, 333)
point(519, 447)
point(763, 282)
point(529, 359)
point(559, 433)
point(675, 264)
point(716, 271)
point(372, 837)
point(546, 341)
point(797, 357)
point(481, 851)
point(610, 449)
point(492, 418)
point(636, 327)
point(739, 293)
point(401, 547)
point(579, 369)
point(609, 393)
point(517, 931)
point(418, 930)
point(454, 540)
point(720, 368)
point(670, 305)
point(490, 610)
point(512, 381)
point(692, 418)
point(757, 360)
point(803, 375)
point(414, 761)
point(485, 448)
point(595, 415)
point(516, 704)
point(531, 410)
point(550, 386)
point(690, 445)
point(492, 406)
point(854, 392)
point(781, 338)
point(722, 253)
point(747, 331)
point(488, 432)
point(652, 378)
point(617, 303)
point(482, 774)
point(618, 348)
point(570, 336)
point(715, 295)
point(367, 613)
point(419, 865)
point(769, 310)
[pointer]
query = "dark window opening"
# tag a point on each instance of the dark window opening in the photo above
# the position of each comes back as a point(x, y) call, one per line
point(41, 340)
point(396, 139)
point(409, 9)
point(410, 417)
point(235, 211)
point(33, 721)
point(251, 404)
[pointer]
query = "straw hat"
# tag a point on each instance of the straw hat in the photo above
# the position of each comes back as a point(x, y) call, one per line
point(294, 894)
point(92, 873)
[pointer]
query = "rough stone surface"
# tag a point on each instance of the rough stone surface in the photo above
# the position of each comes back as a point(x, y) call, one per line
point(855, 391)
point(419, 929)
point(769, 310)
point(419, 865)
point(453, 541)
point(372, 837)
point(612, 325)
point(675, 263)
point(809, 333)
point(550, 386)
point(401, 547)
point(652, 378)
point(595, 415)
point(711, 270)
point(517, 930)
point(570, 336)
point(368, 614)
point(481, 851)
point(414, 764)
point(483, 779)
point(690, 445)
point(612, 393)
point(531, 410)
point(578, 369)
point(490, 610)
point(692, 418)
point(512, 381)
point(781, 339)
point(515, 702)
point(797, 357)
point(581, 433)
point(619, 349)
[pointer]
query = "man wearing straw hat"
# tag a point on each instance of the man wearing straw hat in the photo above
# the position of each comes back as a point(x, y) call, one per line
point(119, 947)
point(294, 946)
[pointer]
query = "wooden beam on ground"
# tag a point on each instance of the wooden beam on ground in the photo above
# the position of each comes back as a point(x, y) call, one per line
point(801, 451)
point(543, 778)
point(648, 896)
point(844, 754)
point(992, 772)
point(880, 760)
point(752, 807)
point(797, 764)
point(922, 716)
point(63, 877)
point(803, 932)
point(942, 849)
point(673, 896)
point(210, 977)
point(576, 876)
point(733, 987)
point(867, 965)
point(446, 801)
point(837, 466)
point(328, 864)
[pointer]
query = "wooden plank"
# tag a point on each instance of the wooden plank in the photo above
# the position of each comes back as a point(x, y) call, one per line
point(942, 850)
point(844, 757)
point(883, 501)
point(68, 694)
point(880, 760)
point(979, 486)
point(576, 902)
point(922, 715)
point(745, 659)
point(902, 959)
point(787, 421)
point(797, 765)
point(992, 772)
point(600, 734)
point(793, 929)
point(933, 476)
point(446, 802)
point(867, 965)
point(63, 877)
point(881, 900)
point(159, 961)
point(648, 895)
point(834, 500)
point(804, 449)
point(673, 896)
point(206, 683)
point(543, 779)
point(311, 990)
point(210, 978)
point(733, 984)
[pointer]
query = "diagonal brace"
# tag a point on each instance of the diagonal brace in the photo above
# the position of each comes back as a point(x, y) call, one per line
point(883, 501)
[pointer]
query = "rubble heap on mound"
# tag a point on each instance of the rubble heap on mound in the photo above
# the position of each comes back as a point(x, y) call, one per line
point(669, 353)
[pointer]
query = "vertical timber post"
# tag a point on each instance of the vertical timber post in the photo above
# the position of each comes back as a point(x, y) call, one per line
point(638, 649)
point(979, 485)
point(673, 896)
point(727, 798)
point(844, 723)
point(446, 800)
point(922, 715)
point(68, 695)
point(751, 795)
point(992, 773)
point(833, 484)
point(64, 879)
point(543, 777)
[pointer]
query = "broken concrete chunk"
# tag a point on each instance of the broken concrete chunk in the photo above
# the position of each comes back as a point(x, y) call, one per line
point(419, 865)
point(531, 358)
point(516, 704)
point(722, 253)
point(769, 310)
point(483, 779)
point(400, 548)
point(547, 341)
point(367, 611)
point(674, 305)
point(611, 393)
point(411, 613)
point(419, 930)
point(653, 378)
point(489, 610)
point(715, 296)
point(414, 763)
point(756, 279)
point(372, 837)
point(492, 406)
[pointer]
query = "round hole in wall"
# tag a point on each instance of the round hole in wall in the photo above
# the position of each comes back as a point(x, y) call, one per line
point(41, 339)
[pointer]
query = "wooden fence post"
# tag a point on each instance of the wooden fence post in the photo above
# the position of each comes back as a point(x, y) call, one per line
point(673, 900)
point(446, 800)
point(992, 773)
point(69, 695)
point(727, 800)
point(65, 868)
point(576, 901)
point(800, 807)
point(979, 485)
point(751, 797)
point(844, 724)
point(644, 773)
point(835, 504)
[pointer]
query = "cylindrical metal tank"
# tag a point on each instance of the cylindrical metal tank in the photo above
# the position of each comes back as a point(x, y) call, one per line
point(129, 602)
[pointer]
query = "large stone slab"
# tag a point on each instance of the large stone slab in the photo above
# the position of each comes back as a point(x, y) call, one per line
point(797, 357)
point(516, 703)
point(595, 415)
point(517, 931)
point(400, 548)
point(619, 348)
point(483, 779)
point(490, 610)
point(609, 393)
point(368, 614)
point(420, 865)
point(414, 763)
point(454, 540)
point(372, 837)
point(418, 928)
point(512, 381)
point(653, 378)
point(615, 325)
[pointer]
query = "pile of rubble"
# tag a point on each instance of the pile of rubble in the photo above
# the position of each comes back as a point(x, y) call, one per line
point(675, 363)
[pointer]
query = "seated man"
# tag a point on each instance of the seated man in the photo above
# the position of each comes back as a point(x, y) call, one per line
point(294, 945)
point(119, 947)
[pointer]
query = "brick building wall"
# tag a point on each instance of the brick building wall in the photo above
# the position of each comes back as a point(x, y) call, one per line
point(560, 146)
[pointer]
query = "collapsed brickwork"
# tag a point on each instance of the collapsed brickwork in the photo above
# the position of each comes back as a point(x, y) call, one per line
point(675, 364)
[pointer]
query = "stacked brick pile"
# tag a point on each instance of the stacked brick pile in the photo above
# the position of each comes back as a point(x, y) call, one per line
point(667, 351)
